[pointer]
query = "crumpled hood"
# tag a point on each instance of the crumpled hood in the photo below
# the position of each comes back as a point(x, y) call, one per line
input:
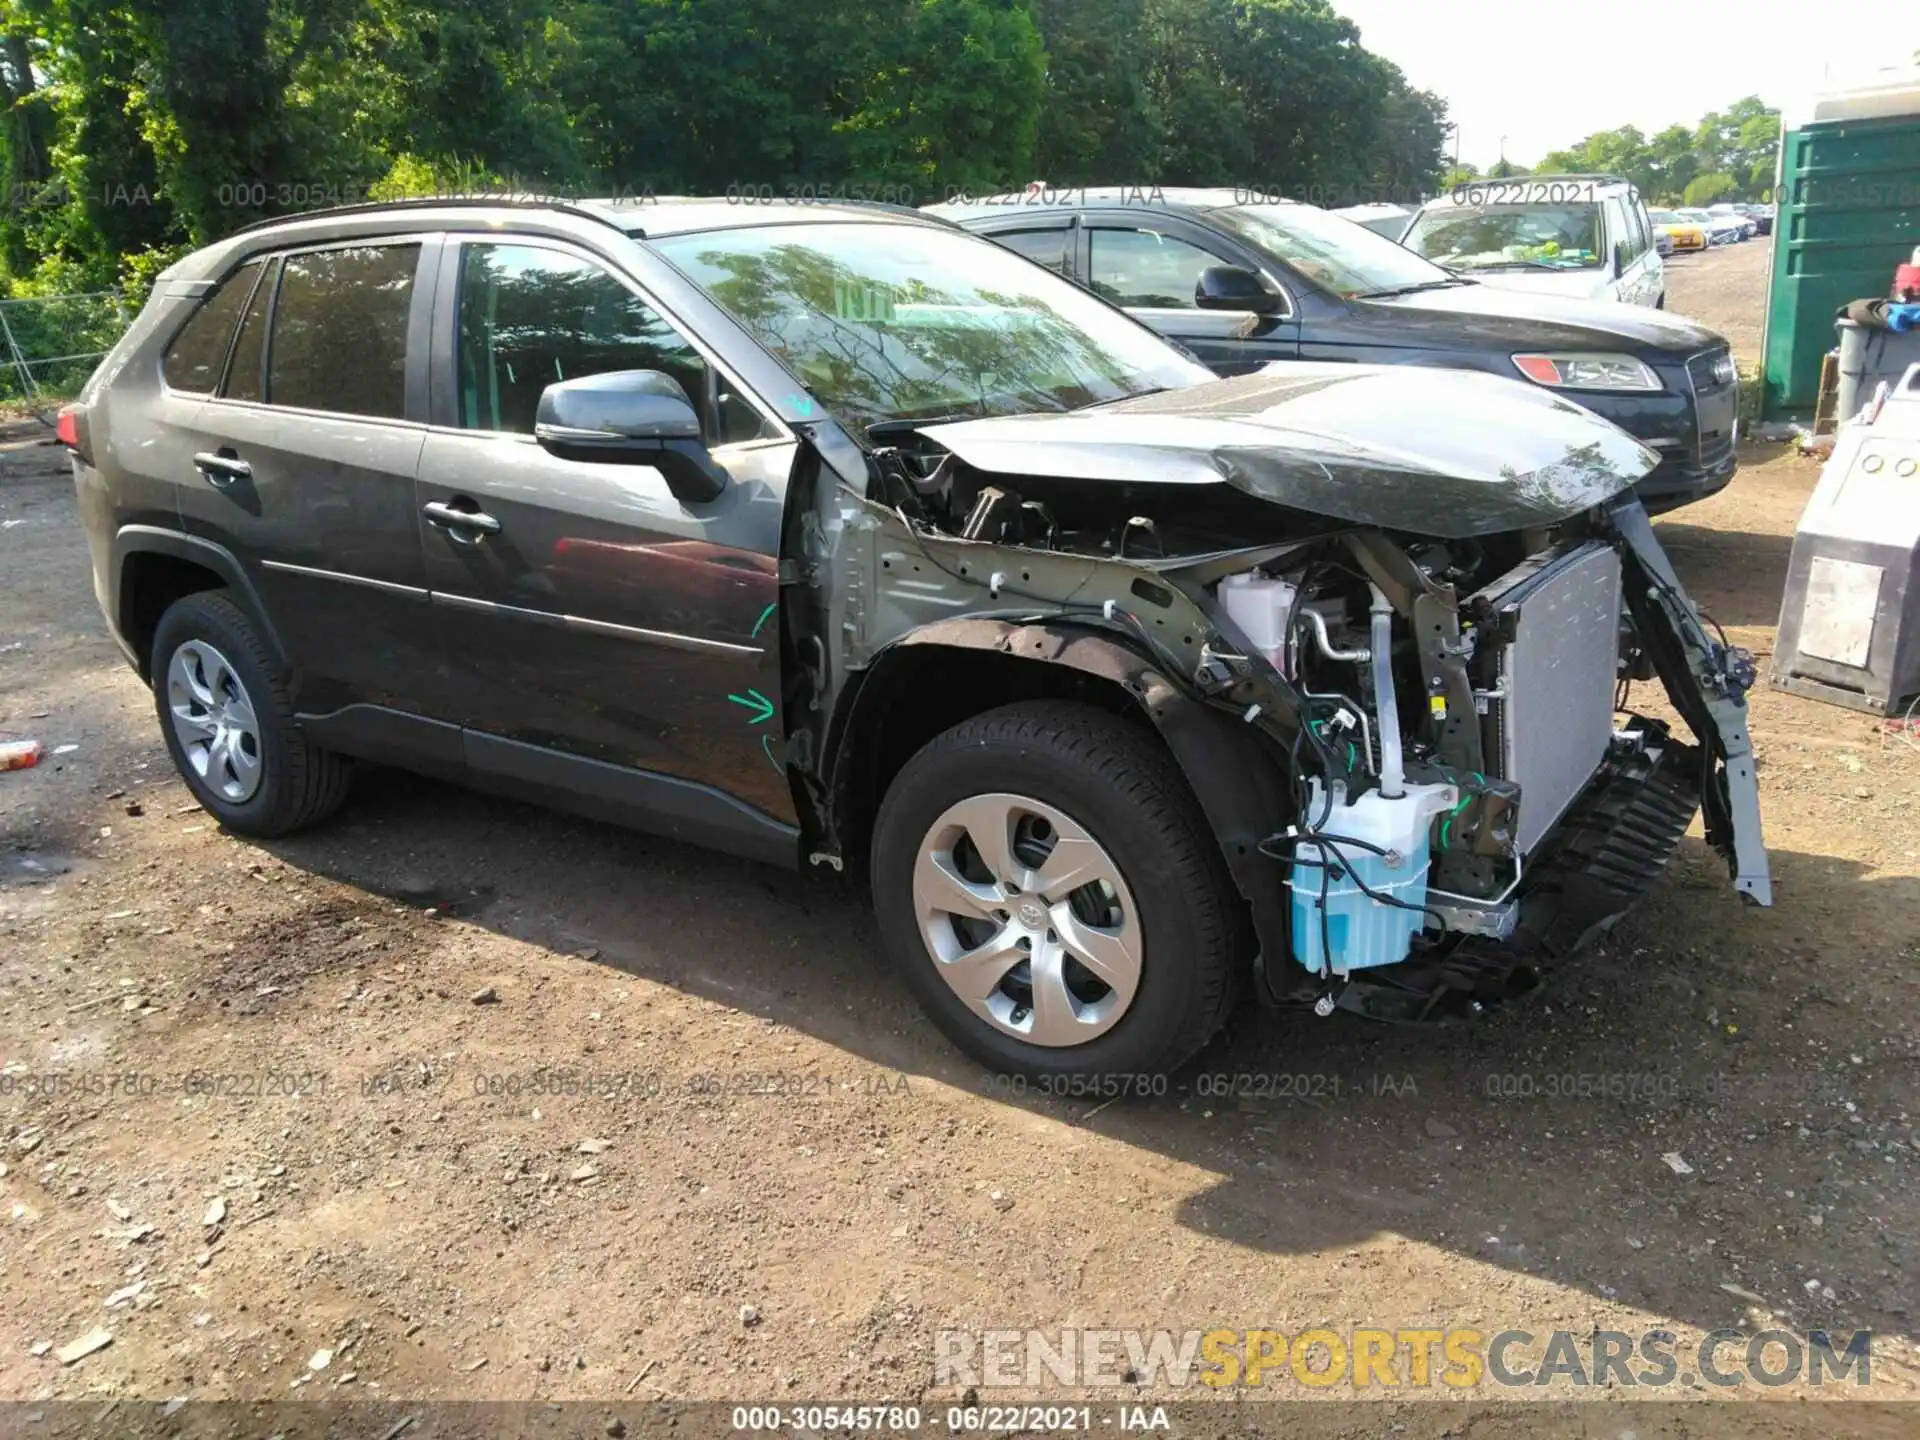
point(1446, 453)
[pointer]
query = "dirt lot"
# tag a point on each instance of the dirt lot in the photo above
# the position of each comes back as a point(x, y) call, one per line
point(702, 1146)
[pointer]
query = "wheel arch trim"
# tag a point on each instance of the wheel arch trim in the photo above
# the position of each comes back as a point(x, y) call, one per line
point(131, 540)
point(1243, 795)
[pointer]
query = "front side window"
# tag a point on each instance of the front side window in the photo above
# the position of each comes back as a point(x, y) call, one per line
point(1146, 269)
point(885, 321)
point(529, 316)
point(1508, 237)
point(340, 330)
point(199, 352)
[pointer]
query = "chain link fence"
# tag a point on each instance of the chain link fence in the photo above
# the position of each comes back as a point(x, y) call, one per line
point(52, 343)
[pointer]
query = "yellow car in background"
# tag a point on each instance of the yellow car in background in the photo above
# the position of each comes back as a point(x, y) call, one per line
point(1686, 234)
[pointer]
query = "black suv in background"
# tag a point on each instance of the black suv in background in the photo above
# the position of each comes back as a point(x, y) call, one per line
point(1242, 283)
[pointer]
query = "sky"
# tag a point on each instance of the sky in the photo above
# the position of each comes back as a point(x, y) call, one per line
point(1546, 73)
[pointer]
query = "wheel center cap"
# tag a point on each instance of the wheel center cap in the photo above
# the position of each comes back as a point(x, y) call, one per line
point(1032, 914)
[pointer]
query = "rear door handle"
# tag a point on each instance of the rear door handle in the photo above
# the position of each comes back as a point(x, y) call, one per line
point(453, 520)
point(222, 468)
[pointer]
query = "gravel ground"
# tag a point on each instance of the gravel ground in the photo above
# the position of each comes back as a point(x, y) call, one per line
point(694, 1142)
point(1725, 290)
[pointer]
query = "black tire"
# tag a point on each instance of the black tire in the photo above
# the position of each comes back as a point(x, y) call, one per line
point(300, 784)
point(1128, 794)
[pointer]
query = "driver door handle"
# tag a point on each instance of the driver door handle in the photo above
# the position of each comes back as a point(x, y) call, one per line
point(453, 519)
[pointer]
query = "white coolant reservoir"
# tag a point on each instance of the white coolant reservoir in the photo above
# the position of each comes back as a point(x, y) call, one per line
point(1358, 931)
point(1260, 605)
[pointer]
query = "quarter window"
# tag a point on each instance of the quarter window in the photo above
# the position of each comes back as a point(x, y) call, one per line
point(249, 348)
point(199, 352)
point(1146, 269)
point(1043, 247)
point(529, 316)
point(340, 330)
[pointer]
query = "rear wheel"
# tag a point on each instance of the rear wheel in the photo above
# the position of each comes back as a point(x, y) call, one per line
point(228, 722)
point(1049, 889)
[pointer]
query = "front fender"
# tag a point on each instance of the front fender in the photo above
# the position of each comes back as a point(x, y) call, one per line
point(1240, 783)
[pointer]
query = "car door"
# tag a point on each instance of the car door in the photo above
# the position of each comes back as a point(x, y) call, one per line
point(1618, 253)
point(1653, 268)
point(1636, 279)
point(305, 455)
point(608, 637)
point(1149, 265)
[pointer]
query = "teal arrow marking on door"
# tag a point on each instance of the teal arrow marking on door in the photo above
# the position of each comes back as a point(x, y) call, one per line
point(756, 702)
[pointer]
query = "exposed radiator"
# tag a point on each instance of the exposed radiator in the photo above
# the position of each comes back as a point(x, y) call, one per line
point(1550, 728)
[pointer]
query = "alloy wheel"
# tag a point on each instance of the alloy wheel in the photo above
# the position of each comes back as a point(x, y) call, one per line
point(1028, 919)
point(214, 721)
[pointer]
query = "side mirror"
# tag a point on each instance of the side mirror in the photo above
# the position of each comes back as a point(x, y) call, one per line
point(1233, 287)
point(630, 417)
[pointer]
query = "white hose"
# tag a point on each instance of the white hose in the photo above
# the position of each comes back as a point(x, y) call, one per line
point(1393, 774)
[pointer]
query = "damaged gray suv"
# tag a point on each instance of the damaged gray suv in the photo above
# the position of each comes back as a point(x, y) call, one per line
point(823, 534)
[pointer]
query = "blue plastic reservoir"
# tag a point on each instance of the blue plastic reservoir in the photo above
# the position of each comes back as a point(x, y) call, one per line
point(1359, 932)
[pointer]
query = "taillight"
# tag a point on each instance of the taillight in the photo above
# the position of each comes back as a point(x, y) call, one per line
point(71, 427)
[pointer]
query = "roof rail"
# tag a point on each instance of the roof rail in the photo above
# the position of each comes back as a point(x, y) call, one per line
point(527, 200)
point(899, 209)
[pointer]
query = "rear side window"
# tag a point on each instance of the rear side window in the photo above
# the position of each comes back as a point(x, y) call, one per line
point(1044, 247)
point(340, 330)
point(249, 348)
point(199, 352)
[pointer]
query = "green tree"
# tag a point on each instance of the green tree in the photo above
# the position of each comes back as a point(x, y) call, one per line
point(1742, 142)
point(1098, 121)
point(1709, 189)
point(137, 127)
point(1672, 162)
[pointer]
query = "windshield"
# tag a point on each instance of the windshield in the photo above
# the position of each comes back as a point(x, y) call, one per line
point(1666, 217)
point(910, 322)
point(1492, 237)
point(1346, 258)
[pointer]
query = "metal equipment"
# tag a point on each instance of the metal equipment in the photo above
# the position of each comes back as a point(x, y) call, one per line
point(1850, 619)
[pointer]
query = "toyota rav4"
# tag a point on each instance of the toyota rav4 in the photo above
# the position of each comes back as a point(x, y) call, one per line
point(833, 534)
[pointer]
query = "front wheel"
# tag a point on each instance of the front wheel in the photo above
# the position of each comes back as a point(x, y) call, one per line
point(1048, 887)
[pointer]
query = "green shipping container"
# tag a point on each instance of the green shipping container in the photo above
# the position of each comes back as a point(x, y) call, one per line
point(1847, 212)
